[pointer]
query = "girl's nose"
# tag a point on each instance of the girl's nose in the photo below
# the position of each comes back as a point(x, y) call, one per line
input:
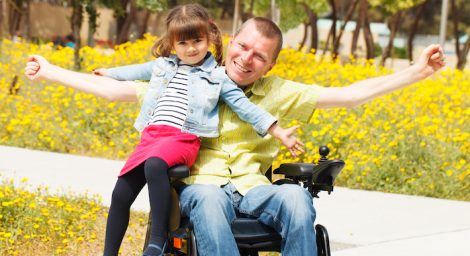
point(191, 48)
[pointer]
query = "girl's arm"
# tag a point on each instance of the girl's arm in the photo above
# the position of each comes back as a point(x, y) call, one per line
point(287, 137)
point(38, 68)
point(129, 72)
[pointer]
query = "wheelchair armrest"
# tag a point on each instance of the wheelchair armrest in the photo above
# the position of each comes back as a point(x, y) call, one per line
point(179, 171)
point(295, 169)
point(324, 174)
point(318, 177)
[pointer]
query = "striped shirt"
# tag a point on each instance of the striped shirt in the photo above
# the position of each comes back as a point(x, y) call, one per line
point(172, 106)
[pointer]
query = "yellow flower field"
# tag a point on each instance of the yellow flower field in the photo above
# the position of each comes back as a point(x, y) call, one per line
point(37, 222)
point(415, 141)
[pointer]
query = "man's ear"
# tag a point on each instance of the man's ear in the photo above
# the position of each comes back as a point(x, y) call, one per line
point(270, 67)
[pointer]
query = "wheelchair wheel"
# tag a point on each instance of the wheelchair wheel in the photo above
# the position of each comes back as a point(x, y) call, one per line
point(323, 241)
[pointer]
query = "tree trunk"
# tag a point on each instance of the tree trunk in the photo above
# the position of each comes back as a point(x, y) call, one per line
point(124, 31)
point(394, 24)
point(333, 22)
point(248, 14)
point(462, 59)
point(314, 31)
point(359, 24)
point(26, 21)
point(2, 2)
point(368, 33)
point(121, 17)
point(172, 3)
point(77, 18)
point(312, 23)
point(304, 38)
point(461, 53)
point(413, 29)
point(456, 20)
point(348, 17)
point(14, 18)
point(92, 17)
point(236, 16)
point(327, 43)
point(275, 17)
point(143, 28)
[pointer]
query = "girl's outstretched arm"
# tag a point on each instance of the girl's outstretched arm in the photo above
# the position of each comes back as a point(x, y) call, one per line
point(129, 72)
point(38, 68)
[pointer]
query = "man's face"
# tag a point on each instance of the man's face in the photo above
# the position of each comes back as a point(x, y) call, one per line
point(249, 56)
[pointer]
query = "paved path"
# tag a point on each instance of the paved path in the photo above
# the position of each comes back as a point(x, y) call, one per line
point(359, 222)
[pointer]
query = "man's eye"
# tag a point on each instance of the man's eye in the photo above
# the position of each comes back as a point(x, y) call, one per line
point(242, 46)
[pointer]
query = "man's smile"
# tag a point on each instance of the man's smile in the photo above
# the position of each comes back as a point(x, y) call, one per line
point(241, 68)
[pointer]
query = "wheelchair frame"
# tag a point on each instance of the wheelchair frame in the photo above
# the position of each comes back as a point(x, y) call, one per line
point(313, 177)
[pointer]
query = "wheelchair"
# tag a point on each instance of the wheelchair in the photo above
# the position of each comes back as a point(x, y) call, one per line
point(252, 236)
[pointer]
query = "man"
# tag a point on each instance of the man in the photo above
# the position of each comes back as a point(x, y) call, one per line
point(228, 177)
point(236, 161)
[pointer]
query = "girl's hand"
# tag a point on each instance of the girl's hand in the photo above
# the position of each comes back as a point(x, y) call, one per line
point(37, 68)
point(288, 139)
point(99, 72)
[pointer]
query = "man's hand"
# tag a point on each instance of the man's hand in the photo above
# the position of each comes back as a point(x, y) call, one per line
point(37, 68)
point(431, 60)
point(286, 136)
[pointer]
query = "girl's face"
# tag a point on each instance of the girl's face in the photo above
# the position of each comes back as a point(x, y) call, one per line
point(192, 51)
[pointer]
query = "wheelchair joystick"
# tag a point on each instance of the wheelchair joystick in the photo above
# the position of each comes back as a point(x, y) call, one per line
point(324, 151)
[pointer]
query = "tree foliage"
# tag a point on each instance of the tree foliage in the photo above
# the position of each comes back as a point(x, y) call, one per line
point(292, 11)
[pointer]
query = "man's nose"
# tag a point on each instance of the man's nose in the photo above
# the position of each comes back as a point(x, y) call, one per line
point(247, 57)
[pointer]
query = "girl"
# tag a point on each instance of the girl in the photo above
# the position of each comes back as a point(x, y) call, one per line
point(180, 106)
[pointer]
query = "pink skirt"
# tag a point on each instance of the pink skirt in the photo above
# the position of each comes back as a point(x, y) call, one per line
point(167, 143)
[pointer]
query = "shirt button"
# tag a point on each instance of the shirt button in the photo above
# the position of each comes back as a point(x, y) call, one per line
point(165, 81)
point(191, 111)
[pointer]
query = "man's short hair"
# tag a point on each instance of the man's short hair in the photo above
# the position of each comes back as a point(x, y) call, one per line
point(266, 28)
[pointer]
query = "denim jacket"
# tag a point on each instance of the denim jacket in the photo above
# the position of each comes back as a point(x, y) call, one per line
point(207, 83)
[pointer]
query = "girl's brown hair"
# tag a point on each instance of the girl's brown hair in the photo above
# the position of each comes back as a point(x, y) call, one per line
point(187, 22)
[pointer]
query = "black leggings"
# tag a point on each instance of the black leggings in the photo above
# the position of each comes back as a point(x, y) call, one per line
point(153, 171)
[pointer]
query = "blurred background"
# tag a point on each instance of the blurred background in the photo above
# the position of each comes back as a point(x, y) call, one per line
point(387, 30)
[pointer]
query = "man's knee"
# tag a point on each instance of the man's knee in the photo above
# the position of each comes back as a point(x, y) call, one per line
point(295, 198)
point(208, 207)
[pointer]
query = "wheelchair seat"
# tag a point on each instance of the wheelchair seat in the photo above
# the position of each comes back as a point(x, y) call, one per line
point(251, 235)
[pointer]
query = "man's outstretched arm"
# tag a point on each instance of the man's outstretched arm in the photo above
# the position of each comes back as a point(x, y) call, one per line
point(38, 68)
point(430, 61)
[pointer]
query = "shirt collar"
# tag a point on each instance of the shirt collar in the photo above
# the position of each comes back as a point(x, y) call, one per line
point(257, 88)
